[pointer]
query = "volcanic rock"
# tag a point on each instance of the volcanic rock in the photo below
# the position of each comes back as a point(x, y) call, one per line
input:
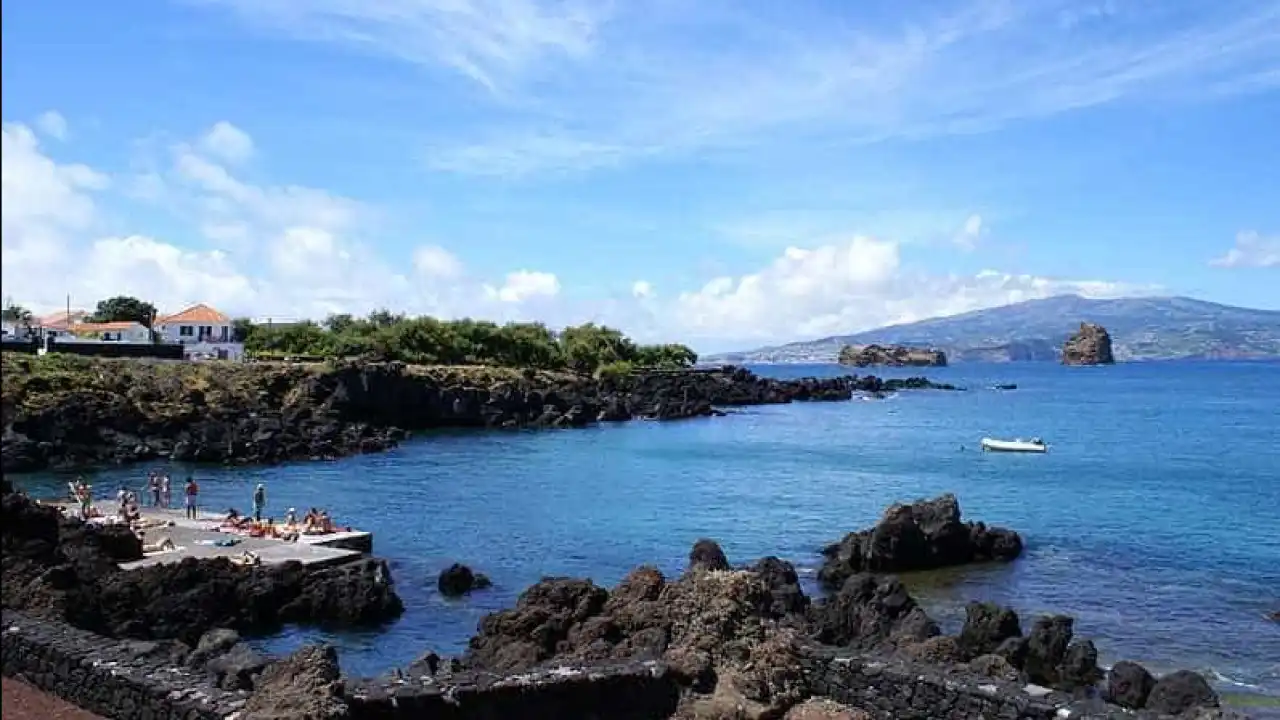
point(1128, 685)
point(1090, 345)
point(891, 356)
point(306, 685)
point(923, 535)
point(457, 580)
point(1179, 692)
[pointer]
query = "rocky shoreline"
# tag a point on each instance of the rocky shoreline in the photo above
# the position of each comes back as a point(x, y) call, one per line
point(718, 641)
point(63, 411)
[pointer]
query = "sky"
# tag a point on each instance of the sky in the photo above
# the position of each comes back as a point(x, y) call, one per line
point(723, 173)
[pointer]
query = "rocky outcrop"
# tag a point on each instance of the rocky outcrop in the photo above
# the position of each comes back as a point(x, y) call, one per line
point(891, 356)
point(64, 411)
point(458, 580)
point(1090, 345)
point(63, 568)
point(923, 535)
point(306, 684)
point(737, 638)
point(711, 643)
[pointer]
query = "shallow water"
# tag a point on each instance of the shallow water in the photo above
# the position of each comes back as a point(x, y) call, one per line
point(1154, 519)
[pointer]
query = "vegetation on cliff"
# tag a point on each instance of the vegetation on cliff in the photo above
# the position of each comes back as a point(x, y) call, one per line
point(67, 410)
point(428, 341)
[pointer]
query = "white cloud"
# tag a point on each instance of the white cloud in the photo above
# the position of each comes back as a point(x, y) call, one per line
point(278, 250)
point(52, 123)
point(299, 253)
point(523, 285)
point(42, 205)
point(1252, 249)
point(850, 286)
point(227, 142)
point(435, 262)
point(582, 84)
point(967, 238)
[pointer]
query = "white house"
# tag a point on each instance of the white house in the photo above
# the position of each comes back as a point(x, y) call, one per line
point(202, 331)
point(125, 331)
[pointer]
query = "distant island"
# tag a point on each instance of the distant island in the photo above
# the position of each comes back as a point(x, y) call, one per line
point(1149, 328)
point(891, 356)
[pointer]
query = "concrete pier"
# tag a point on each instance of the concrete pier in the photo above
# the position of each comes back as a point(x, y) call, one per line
point(199, 538)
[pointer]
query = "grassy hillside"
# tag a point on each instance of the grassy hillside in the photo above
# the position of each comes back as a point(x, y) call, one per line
point(1162, 328)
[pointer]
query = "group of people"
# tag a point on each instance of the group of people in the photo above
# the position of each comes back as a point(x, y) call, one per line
point(160, 486)
point(314, 522)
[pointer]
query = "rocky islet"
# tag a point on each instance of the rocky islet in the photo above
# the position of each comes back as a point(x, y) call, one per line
point(1089, 345)
point(891, 356)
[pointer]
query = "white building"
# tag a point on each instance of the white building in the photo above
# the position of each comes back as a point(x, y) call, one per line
point(202, 331)
point(127, 331)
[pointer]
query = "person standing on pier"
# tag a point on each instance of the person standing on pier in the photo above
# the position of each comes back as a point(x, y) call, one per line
point(259, 502)
point(166, 491)
point(192, 492)
point(153, 484)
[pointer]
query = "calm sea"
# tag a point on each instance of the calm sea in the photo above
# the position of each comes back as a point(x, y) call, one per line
point(1154, 519)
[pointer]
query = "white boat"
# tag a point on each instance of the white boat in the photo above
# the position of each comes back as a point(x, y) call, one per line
point(1034, 445)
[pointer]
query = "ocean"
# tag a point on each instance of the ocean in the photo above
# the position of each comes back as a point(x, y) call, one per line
point(1154, 519)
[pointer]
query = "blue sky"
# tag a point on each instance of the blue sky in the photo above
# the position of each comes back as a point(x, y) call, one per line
point(723, 173)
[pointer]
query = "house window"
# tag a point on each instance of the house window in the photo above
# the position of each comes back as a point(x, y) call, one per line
point(186, 330)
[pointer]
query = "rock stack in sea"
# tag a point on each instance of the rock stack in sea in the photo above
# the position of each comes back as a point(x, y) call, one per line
point(1090, 345)
point(891, 356)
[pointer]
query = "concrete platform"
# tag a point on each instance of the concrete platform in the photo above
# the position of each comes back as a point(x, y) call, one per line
point(197, 538)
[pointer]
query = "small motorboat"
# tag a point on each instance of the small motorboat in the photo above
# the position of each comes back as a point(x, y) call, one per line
point(1034, 445)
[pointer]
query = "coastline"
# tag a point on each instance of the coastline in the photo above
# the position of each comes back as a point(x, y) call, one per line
point(70, 411)
point(640, 650)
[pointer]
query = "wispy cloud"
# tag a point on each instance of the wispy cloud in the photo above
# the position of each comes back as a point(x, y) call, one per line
point(576, 84)
point(1252, 249)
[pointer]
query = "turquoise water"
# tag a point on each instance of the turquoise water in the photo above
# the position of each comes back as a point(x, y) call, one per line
point(1154, 519)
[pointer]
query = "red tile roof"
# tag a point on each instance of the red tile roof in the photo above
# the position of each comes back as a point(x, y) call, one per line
point(105, 327)
point(60, 320)
point(195, 315)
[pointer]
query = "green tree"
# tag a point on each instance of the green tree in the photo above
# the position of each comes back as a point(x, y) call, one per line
point(241, 329)
point(339, 323)
point(19, 316)
point(123, 308)
point(587, 347)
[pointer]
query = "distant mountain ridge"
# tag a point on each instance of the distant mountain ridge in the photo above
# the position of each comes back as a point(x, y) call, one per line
point(1147, 328)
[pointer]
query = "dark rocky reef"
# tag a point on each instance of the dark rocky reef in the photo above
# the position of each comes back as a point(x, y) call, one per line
point(65, 569)
point(1090, 345)
point(458, 580)
point(923, 535)
point(891, 356)
point(742, 643)
point(717, 641)
point(66, 411)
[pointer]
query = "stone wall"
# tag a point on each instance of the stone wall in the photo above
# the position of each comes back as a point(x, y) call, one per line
point(631, 691)
point(111, 678)
point(112, 349)
point(134, 679)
